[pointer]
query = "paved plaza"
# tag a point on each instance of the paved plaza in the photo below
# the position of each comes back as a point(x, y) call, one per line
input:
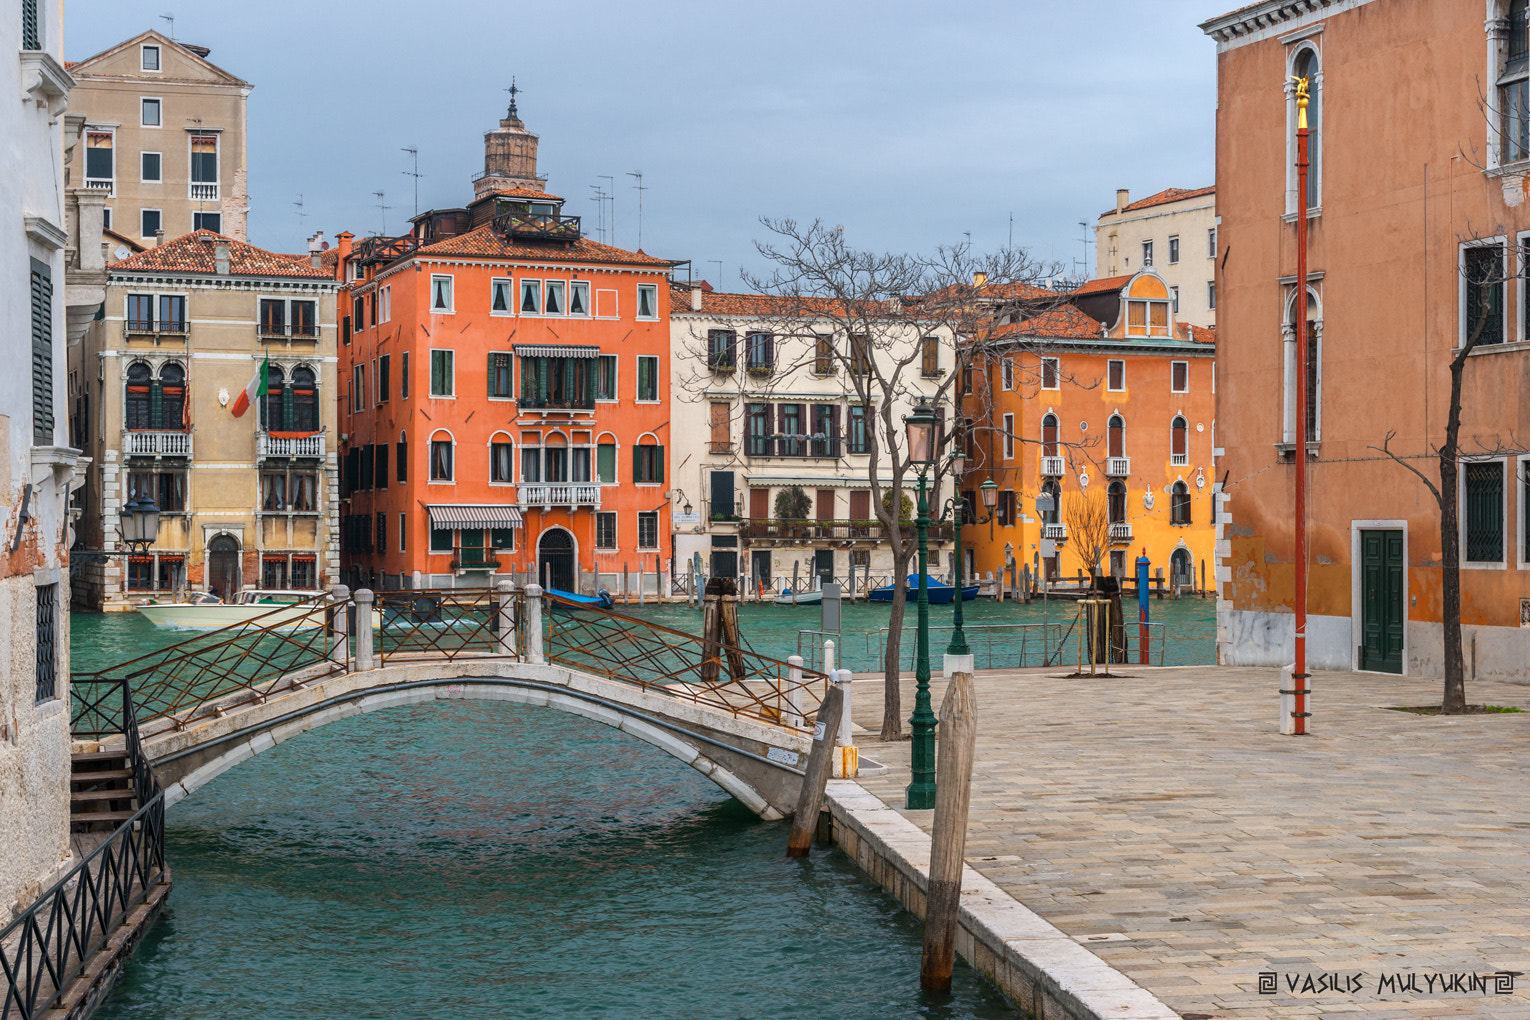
point(1162, 821)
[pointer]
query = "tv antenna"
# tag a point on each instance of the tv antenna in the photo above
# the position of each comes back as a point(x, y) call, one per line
point(1011, 230)
point(640, 189)
point(170, 18)
point(600, 211)
point(382, 211)
point(300, 213)
point(414, 154)
point(1083, 225)
point(718, 264)
point(611, 196)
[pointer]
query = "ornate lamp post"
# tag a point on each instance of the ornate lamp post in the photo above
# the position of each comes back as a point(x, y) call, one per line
point(923, 445)
point(957, 506)
point(138, 524)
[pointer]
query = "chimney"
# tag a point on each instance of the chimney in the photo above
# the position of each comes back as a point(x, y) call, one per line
point(978, 279)
point(696, 298)
point(220, 253)
point(343, 240)
point(159, 238)
point(1123, 199)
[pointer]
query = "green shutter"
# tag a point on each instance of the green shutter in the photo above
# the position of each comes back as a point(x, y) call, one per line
point(637, 464)
point(288, 417)
point(490, 379)
point(658, 464)
point(156, 404)
point(605, 462)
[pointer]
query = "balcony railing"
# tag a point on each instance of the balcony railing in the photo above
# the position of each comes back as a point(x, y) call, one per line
point(155, 443)
point(1120, 531)
point(560, 494)
point(1051, 467)
point(178, 326)
point(303, 331)
point(97, 184)
point(543, 226)
point(204, 192)
point(795, 445)
point(267, 445)
point(533, 401)
point(790, 532)
point(474, 558)
point(1118, 467)
point(1057, 532)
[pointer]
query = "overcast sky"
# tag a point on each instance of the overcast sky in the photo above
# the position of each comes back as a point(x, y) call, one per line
point(909, 124)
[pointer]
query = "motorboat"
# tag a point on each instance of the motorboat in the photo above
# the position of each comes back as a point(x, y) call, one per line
point(558, 599)
point(939, 592)
point(801, 598)
point(206, 611)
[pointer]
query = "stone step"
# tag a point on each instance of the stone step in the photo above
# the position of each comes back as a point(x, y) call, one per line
point(79, 757)
point(100, 776)
point(82, 796)
point(115, 817)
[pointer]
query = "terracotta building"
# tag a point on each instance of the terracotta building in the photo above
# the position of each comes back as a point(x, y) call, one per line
point(1105, 398)
point(504, 404)
point(1418, 221)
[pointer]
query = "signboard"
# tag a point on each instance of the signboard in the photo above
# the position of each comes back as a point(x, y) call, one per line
point(1045, 504)
point(1047, 547)
point(691, 518)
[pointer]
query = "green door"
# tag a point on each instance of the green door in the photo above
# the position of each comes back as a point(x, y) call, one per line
point(1381, 600)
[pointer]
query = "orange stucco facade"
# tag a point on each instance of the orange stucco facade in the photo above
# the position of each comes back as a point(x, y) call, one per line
point(1411, 175)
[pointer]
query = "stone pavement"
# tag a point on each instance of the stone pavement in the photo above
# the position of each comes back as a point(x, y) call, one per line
point(1163, 822)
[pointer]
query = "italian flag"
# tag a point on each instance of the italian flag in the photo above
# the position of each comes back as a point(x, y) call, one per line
point(255, 389)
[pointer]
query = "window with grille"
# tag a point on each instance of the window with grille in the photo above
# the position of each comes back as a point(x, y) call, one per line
point(47, 642)
point(1482, 272)
point(605, 530)
point(648, 529)
point(1484, 511)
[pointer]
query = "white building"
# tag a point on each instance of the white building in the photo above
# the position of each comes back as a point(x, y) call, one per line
point(37, 469)
point(764, 413)
point(1174, 233)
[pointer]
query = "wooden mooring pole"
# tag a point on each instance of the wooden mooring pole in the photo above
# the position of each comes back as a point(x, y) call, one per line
point(948, 841)
point(820, 762)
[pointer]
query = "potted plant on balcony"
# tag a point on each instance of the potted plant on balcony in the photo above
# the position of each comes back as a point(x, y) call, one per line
point(792, 509)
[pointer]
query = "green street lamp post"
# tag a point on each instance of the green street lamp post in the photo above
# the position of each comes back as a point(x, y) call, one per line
point(923, 445)
point(958, 505)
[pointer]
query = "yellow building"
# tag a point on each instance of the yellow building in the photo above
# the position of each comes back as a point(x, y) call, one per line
point(1105, 403)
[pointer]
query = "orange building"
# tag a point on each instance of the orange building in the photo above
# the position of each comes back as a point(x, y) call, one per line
point(503, 393)
point(1106, 398)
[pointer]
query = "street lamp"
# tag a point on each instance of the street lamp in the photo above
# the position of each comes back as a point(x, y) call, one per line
point(923, 427)
point(957, 506)
point(138, 524)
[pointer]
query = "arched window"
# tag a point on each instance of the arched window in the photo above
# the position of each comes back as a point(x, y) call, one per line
point(305, 400)
point(401, 452)
point(1513, 44)
point(1314, 335)
point(1179, 441)
point(1115, 437)
point(501, 459)
point(1179, 504)
point(136, 411)
point(1049, 435)
point(1115, 502)
point(441, 457)
point(172, 397)
point(1305, 64)
point(271, 417)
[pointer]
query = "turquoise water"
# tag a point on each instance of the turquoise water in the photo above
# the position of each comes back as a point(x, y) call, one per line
point(469, 860)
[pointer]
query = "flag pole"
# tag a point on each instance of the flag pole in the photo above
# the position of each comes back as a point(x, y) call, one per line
point(1299, 672)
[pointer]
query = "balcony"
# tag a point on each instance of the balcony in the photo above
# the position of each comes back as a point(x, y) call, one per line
point(785, 532)
point(1120, 532)
point(155, 443)
point(1056, 532)
point(99, 184)
point(1051, 467)
point(561, 494)
point(1118, 467)
point(204, 192)
point(278, 446)
point(474, 558)
point(281, 331)
point(148, 327)
point(793, 445)
point(514, 224)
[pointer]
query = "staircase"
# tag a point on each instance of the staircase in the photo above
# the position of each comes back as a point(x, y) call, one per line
point(101, 795)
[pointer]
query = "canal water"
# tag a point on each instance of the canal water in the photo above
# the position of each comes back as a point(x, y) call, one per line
point(466, 860)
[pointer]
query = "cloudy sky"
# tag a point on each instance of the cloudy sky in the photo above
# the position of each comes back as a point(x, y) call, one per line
point(909, 124)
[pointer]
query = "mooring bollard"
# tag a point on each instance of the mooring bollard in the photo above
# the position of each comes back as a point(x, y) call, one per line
point(793, 690)
point(948, 840)
point(534, 624)
point(338, 613)
point(504, 641)
point(816, 778)
point(365, 649)
point(847, 763)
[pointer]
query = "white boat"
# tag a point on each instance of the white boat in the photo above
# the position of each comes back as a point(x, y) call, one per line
point(801, 598)
point(206, 611)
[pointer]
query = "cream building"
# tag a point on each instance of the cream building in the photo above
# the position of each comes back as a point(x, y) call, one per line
point(164, 139)
point(757, 414)
point(1174, 233)
point(244, 502)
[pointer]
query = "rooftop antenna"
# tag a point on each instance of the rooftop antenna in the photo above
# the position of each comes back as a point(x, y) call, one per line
point(300, 213)
point(170, 18)
point(1084, 226)
point(383, 212)
point(414, 153)
point(718, 264)
point(1011, 230)
point(611, 196)
point(640, 189)
point(600, 212)
point(968, 235)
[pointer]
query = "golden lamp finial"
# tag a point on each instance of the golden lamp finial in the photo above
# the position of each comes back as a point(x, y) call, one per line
point(1301, 102)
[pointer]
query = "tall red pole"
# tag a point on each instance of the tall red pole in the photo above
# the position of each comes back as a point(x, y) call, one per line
point(1299, 674)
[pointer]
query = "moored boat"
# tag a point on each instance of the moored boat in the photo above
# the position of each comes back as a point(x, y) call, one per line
point(206, 611)
point(570, 600)
point(801, 598)
point(940, 593)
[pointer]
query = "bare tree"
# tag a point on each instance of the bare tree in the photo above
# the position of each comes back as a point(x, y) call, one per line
point(1089, 527)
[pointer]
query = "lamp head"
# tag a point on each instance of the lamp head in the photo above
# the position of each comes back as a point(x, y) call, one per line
point(990, 494)
point(923, 427)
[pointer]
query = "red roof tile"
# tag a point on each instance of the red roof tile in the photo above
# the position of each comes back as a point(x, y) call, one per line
point(527, 193)
point(196, 253)
point(484, 241)
point(717, 303)
point(1199, 334)
point(1101, 286)
point(1164, 197)
point(1065, 322)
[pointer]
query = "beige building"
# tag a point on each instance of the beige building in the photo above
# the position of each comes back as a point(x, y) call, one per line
point(164, 139)
point(245, 502)
point(1173, 233)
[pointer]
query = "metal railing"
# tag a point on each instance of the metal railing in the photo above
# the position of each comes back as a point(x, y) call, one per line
point(155, 443)
point(267, 445)
point(301, 330)
point(776, 530)
point(547, 226)
point(444, 623)
point(177, 326)
point(994, 645)
point(560, 494)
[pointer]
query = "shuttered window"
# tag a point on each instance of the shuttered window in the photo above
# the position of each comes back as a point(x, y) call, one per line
point(42, 353)
point(1484, 512)
point(31, 34)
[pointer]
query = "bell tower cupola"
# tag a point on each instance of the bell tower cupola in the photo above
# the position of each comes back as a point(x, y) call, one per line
point(509, 156)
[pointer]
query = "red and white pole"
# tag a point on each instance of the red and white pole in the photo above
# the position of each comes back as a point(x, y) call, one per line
point(1299, 673)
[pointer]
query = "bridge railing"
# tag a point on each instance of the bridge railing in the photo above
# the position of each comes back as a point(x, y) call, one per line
point(448, 623)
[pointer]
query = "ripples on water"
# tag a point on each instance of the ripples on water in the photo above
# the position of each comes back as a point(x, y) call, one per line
point(466, 860)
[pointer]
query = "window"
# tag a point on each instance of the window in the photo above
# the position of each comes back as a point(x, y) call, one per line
point(1211, 243)
point(150, 111)
point(1524, 507)
point(648, 464)
point(403, 378)
point(443, 374)
point(46, 620)
point(204, 167)
point(1484, 511)
point(929, 357)
point(1179, 436)
point(42, 353)
point(605, 378)
point(554, 304)
point(966, 379)
point(1179, 376)
point(140, 573)
point(440, 460)
point(647, 301)
point(1173, 249)
point(720, 345)
point(1305, 65)
point(857, 439)
point(98, 160)
point(1147, 254)
point(207, 221)
point(441, 295)
point(441, 540)
point(273, 317)
point(140, 312)
point(605, 529)
point(502, 539)
point(1115, 375)
point(500, 386)
point(501, 459)
point(531, 297)
point(273, 492)
point(382, 532)
point(860, 354)
point(402, 532)
point(358, 388)
point(1514, 85)
point(401, 458)
point(579, 298)
point(1147, 318)
point(367, 460)
point(722, 433)
point(558, 382)
point(1179, 504)
point(1482, 286)
point(759, 440)
point(1174, 299)
point(1115, 437)
point(759, 350)
point(605, 463)
point(157, 403)
point(499, 298)
point(1211, 295)
point(1115, 502)
point(1049, 435)
point(148, 167)
point(647, 377)
point(166, 488)
point(385, 304)
point(384, 384)
point(648, 529)
point(823, 354)
point(172, 573)
point(1009, 437)
point(380, 478)
point(106, 219)
point(790, 442)
point(1050, 374)
point(148, 222)
point(824, 441)
point(148, 58)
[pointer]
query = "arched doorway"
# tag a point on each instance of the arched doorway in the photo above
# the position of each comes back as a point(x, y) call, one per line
point(555, 559)
point(223, 566)
point(1180, 567)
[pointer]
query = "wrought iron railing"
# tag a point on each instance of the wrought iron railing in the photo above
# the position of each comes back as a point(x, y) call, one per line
point(787, 531)
point(444, 623)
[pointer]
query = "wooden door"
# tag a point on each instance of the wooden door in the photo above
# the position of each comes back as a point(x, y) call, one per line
point(825, 504)
point(759, 504)
point(860, 505)
point(1382, 584)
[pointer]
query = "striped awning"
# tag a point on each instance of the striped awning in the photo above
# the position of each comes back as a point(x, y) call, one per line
point(472, 515)
point(556, 350)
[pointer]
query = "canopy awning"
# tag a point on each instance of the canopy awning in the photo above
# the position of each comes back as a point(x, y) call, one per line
point(472, 515)
point(556, 350)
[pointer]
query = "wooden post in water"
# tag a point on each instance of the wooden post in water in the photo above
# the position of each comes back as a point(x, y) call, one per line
point(795, 565)
point(640, 580)
point(711, 634)
point(820, 761)
point(948, 841)
point(728, 620)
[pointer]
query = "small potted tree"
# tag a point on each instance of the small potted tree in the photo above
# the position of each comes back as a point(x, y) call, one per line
point(792, 509)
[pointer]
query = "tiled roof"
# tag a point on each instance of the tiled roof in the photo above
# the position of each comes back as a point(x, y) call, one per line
point(719, 304)
point(1101, 286)
point(1014, 290)
point(484, 241)
point(117, 240)
point(196, 253)
point(1164, 197)
point(526, 193)
point(1065, 322)
point(1199, 334)
point(329, 258)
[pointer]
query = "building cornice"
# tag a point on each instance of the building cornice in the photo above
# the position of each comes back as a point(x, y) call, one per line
point(1270, 19)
